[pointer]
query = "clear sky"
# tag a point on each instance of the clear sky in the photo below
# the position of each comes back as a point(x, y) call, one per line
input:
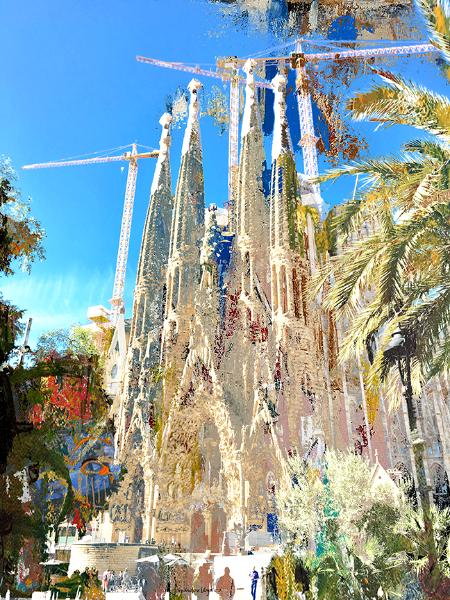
point(71, 86)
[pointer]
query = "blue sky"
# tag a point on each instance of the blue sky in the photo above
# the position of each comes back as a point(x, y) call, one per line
point(72, 87)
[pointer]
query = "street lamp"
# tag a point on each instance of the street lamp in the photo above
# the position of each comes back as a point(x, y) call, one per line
point(399, 349)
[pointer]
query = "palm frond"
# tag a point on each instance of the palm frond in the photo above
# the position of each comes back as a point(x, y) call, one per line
point(353, 270)
point(429, 320)
point(429, 148)
point(401, 249)
point(388, 168)
point(441, 359)
point(437, 17)
point(369, 321)
point(402, 102)
point(319, 283)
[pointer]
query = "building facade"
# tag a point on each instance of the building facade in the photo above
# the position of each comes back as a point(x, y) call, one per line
point(230, 366)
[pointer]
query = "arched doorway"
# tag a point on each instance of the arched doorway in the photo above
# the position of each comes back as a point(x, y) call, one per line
point(440, 486)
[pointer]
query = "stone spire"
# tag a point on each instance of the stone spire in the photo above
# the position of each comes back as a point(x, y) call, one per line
point(139, 392)
point(149, 290)
point(155, 241)
point(250, 199)
point(188, 217)
point(183, 270)
point(286, 262)
point(283, 207)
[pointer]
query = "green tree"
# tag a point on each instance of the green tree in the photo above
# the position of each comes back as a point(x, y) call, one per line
point(391, 282)
point(20, 234)
point(35, 484)
point(353, 539)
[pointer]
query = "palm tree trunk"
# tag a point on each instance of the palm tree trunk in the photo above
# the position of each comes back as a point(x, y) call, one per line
point(418, 450)
point(417, 443)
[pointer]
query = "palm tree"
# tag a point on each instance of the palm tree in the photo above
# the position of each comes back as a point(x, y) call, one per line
point(392, 284)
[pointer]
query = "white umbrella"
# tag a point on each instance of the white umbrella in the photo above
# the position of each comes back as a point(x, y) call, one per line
point(148, 559)
point(177, 561)
point(169, 557)
point(52, 561)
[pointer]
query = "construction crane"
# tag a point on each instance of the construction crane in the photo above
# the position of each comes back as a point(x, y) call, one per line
point(132, 157)
point(229, 73)
point(298, 60)
point(228, 69)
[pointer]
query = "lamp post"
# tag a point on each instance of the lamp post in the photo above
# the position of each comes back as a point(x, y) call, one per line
point(400, 349)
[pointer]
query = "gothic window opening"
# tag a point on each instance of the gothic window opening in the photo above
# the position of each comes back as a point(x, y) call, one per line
point(280, 190)
point(247, 273)
point(440, 486)
point(270, 486)
point(403, 477)
point(272, 210)
point(176, 287)
point(280, 180)
point(163, 301)
point(169, 293)
point(303, 296)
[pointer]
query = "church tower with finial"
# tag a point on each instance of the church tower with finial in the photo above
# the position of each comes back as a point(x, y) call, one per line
point(139, 391)
point(183, 270)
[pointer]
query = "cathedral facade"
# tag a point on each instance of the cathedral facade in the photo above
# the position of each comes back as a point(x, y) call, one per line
point(231, 367)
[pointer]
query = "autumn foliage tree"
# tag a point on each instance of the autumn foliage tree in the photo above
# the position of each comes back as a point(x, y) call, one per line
point(44, 397)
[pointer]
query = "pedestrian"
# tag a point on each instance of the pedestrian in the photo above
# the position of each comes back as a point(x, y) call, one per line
point(126, 580)
point(225, 585)
point(254, 576)
point(105, 578)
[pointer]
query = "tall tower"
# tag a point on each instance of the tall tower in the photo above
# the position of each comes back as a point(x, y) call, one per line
point(251, 256)
point(139, 390)
point(183, 270)
point(285, 238)
point(298, 359)
point(251, 212)
point(144, 343)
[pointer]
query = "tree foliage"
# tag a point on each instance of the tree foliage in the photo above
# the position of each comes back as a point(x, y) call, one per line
point(20, 234)
point(393, 271)
point(347, 538)
point(60, 384)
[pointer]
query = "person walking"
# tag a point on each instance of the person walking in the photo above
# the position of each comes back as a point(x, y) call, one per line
point(105, 578)
point(254, 576)
point(225, 585)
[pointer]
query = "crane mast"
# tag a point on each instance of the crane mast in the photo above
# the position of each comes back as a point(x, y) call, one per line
point(117, 303)
point(308, 136)
point(233, 150)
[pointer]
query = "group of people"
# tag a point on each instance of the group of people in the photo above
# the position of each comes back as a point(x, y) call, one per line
point(225, 585)
point(112, 581)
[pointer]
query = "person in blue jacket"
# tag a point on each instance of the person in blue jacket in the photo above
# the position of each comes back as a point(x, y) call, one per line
point(254, 575)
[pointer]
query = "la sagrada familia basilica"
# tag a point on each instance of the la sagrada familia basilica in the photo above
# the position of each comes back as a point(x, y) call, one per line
point(230, 366)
